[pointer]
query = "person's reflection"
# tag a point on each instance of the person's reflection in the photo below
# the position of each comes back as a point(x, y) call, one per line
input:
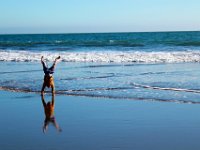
point(49, 113)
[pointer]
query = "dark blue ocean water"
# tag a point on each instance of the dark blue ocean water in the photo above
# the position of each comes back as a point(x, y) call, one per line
point(146, 41)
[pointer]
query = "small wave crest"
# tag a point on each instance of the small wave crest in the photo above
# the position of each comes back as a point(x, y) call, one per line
point(108, 56)
point(84, 43)
point(162, 88)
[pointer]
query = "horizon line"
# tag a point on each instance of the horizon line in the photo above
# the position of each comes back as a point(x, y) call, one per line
point(100, 32)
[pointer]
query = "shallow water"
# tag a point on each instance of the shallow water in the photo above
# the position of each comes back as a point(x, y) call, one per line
point(151, 82)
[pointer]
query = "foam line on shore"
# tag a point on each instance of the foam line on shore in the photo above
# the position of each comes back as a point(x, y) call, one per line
point(74, 93)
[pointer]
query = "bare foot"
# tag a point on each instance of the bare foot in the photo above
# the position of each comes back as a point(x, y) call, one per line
point(58, 57)
point(42, 58)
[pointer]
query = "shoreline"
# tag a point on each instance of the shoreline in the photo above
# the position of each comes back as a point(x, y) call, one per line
point(137, 82)
point(99, 96)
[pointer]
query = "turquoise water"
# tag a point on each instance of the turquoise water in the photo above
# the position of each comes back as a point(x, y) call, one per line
point(146, 41)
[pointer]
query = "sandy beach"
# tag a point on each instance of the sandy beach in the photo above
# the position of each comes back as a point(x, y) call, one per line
point(96, 123)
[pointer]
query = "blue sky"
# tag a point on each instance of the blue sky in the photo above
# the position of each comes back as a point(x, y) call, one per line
point(74, 16)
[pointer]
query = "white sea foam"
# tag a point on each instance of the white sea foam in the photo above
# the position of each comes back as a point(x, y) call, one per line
point(104, 56)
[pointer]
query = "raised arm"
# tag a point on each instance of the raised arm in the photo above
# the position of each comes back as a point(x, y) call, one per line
point(53, 98)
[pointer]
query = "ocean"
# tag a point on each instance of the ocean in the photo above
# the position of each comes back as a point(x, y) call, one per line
point(151, 66)
point(155, 47)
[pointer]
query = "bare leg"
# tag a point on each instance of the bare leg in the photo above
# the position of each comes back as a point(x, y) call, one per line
point(44, 69)
point(43, 64)
point(54, 63)
point(57, 126)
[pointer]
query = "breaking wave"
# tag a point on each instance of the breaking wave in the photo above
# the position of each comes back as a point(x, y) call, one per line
point(103, 56)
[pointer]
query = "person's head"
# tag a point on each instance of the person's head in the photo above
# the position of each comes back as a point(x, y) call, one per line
point(52, 121)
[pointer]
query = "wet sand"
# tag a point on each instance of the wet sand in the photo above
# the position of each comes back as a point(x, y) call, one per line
point(97, 123)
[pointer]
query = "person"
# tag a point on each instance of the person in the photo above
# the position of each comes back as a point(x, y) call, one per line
point(49, 114)
point(48, 77)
